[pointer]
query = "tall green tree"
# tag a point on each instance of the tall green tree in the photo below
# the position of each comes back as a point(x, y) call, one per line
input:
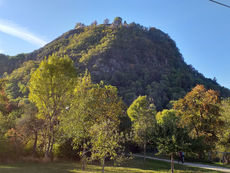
point(51, 87)
point(79, 117)
point(93, 103)
point(142, 114)
point(171, 138)
point(106, 142)
point(106, 139)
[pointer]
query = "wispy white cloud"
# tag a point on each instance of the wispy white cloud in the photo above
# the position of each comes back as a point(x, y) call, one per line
point(22, 33)
point(1, 51)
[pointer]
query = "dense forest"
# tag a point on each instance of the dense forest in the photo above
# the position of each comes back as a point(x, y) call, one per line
point(101, 91)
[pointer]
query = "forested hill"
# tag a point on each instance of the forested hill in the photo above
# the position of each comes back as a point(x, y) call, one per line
point(135, 59)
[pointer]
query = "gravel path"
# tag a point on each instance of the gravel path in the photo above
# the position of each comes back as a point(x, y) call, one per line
point(215, 168)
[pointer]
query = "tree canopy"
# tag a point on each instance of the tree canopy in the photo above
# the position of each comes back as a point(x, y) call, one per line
point(200, 111)
point(94, 106)
point(51, 87)
point(142, 114)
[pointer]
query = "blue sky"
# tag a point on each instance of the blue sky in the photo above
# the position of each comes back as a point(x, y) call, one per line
point(199, 27)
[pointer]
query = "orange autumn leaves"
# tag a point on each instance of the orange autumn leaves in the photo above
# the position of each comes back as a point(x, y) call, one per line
point(200, 111)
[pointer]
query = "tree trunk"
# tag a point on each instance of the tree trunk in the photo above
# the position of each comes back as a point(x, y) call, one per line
point(35, 143)
point(83, 158)
point(50, 130)
point(103, 165)
point(144, 151)
point(83, 163)
point(51, 150)
point(48, 148)
point(172, 164)
point(51, 134)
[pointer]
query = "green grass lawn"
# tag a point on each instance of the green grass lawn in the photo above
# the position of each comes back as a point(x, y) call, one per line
point(131, 166)
point(221, 164)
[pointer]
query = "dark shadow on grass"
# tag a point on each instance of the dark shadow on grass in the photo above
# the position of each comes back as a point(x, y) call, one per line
point(38, 167)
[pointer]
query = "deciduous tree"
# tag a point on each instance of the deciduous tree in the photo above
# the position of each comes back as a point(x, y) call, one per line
point(92, 104)
point(51, 87)
point(224, 135)
point(142, 114)
point(79, 117)
point(30, 125)
point(106, 142)
point(199, 110)
point(171, 138)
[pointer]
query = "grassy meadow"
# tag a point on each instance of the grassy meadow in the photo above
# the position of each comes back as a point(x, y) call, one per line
point(131, 166)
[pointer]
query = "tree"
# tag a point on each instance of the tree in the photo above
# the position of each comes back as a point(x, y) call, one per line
point(125, 23)
point(142, 114)
point(200, 111)
point(171, 138)
point(92, 103)
point(94, 23)
point(106, 103)
point(106, 142)
point(117, 21)
point(29, 125)
point(51, 87)
point(6, 106)
point(9, 110)
point(79, 25)
point(106, 21)
point(223, 144)
point(79, 118)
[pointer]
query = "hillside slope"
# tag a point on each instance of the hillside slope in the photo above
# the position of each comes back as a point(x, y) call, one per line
point(138, 60)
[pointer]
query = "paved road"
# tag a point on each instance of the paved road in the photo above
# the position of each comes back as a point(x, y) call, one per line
point(215, 168)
